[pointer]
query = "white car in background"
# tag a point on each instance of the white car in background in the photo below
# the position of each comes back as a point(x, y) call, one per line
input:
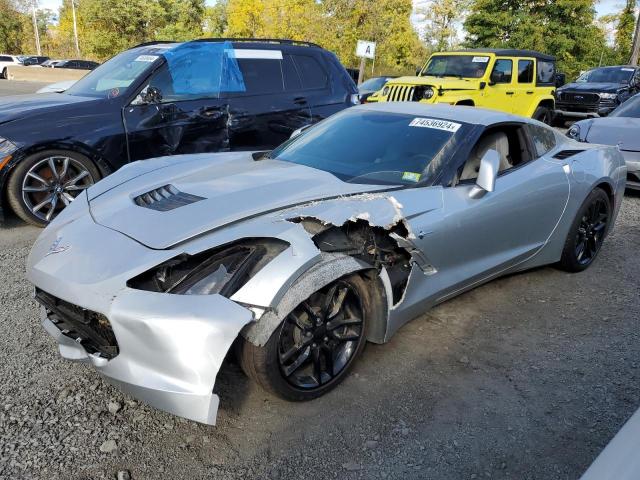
point(6, 61)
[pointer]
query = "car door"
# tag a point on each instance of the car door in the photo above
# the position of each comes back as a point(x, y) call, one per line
point(500, 92)
point(525, 87)
point(184, 114)
point(474, 239)
point(272, 105)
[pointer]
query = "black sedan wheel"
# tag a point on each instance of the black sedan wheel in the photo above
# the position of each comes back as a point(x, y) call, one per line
point(44, 183)
point(587, 233)
point(316, 345)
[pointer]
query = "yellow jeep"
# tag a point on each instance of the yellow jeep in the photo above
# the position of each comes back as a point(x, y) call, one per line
point(515, 81)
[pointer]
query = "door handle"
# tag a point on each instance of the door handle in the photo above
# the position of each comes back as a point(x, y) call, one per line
point(510, 93)
point(530, 93)
point(300, 100)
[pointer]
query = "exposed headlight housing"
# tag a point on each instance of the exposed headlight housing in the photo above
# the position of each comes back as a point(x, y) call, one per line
point(222, 270)
point(574, 132)
point(608, 96)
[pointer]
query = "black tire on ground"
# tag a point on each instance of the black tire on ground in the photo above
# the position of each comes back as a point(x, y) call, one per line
point(267, 365)
point(587, 233)
point(558, 121)
point(76, 163)
point(543, 114)
point(4, 73)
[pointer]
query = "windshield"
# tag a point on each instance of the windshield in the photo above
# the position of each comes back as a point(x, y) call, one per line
point(630, 108)
point(368, 146)
point(114, 77)
point(461, 66)
point(373, 84)
point(607, 75)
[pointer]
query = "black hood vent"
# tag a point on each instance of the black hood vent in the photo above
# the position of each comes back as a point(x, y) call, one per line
point(166, 198)
point(561, 155)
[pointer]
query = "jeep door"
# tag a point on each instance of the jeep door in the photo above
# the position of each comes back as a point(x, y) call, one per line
point(272, 105)
point(525, 87)
point(499, 94)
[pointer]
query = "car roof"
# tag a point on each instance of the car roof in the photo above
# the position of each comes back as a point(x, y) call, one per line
point(509, 52)
point(467, 114)
point(261, 43)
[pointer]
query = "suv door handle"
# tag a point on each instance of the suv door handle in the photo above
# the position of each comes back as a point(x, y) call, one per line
point(510, 93)
point(530, 92)
point(300, 100)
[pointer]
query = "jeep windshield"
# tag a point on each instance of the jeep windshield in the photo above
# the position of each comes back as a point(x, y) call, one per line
point(607, 75)
point(460, 66)
point(374, 147)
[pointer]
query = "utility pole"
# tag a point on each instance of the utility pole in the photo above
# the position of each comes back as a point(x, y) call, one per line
point(35, 28)
point(75, 26)
point(635, 50)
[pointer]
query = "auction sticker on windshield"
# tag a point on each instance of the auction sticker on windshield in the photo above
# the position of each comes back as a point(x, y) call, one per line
point(437, 124)
point(146, 58)
point(480, 59)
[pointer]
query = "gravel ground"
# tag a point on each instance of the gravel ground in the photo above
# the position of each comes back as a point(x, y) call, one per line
point(525, 378)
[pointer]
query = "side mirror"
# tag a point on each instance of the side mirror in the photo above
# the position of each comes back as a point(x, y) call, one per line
point(486, 181)
point(561, 79)
point(299, 131)
point(496, 77)
point(148, 95)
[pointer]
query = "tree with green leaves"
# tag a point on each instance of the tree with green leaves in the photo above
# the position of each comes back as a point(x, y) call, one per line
point(564, 28)
point(441, 18)
point(624, 32)
point(11, 27)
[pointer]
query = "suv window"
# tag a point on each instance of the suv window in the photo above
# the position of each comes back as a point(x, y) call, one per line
point(312, 74)
point(525, 71)
point(543, 139)
point(186, 81)
point(546, 72)
point(261, 75)
point(292, 80)
point(6, 59)
point(505, 67)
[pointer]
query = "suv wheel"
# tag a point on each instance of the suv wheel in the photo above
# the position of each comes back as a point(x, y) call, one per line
point(543, 114)
point(46, 182)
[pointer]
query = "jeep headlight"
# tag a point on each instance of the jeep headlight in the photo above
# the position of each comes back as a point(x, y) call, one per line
point(385, 91)
point(608, 96)
point(574, 132)
point(428, 93)
point(222, 270)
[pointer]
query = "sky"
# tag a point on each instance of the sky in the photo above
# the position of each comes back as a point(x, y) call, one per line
point(604, 6)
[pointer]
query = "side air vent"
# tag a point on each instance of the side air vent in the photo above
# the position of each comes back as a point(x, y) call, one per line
point(166, 198)
point(561, 155)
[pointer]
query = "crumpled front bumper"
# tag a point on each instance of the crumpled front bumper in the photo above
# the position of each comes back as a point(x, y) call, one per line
point(171, 348)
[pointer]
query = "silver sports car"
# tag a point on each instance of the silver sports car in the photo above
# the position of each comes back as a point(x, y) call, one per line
point(299, 256)
point(621, 128)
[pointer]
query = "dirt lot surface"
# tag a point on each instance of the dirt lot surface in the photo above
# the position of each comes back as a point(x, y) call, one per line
point(10, 87)
point(527, 377)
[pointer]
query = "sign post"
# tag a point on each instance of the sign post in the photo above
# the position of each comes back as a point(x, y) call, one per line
point(364, 50)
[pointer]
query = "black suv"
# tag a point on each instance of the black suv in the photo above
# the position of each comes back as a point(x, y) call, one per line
point(597, 92)
point(158, 99)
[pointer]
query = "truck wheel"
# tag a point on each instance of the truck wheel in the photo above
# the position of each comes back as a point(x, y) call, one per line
point(44, 183)
point(543, 114)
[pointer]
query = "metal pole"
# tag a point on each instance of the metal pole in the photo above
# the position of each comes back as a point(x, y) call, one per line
point(75, 26)
point(35, 28)
point(361, 72)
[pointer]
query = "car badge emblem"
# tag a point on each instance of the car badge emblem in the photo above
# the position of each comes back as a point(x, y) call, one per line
point(57, 248)
point(579, 97)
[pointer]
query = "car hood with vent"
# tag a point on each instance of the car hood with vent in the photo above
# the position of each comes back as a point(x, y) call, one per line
point(168, 203)
point(622, 131)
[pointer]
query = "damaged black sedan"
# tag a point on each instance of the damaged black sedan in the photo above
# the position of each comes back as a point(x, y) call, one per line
point(161, 99)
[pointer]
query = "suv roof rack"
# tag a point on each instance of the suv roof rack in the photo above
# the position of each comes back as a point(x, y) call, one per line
point(154, 42)
point(282, 41)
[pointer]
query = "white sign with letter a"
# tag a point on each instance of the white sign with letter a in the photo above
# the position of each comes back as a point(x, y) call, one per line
point(366, 49)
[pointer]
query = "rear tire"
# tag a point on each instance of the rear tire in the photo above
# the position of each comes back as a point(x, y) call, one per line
point(4, 73)
point(543, 114)
point(315, 347)
point(587, 233)
point(37, 193)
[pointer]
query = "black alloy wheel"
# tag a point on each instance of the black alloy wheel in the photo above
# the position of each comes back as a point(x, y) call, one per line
point(319, 339)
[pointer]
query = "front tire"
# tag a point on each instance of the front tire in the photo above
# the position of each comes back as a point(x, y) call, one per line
point(543, 114)
point(315, 347)
point(44, 183)
point(587, 233)
point(4, 73)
